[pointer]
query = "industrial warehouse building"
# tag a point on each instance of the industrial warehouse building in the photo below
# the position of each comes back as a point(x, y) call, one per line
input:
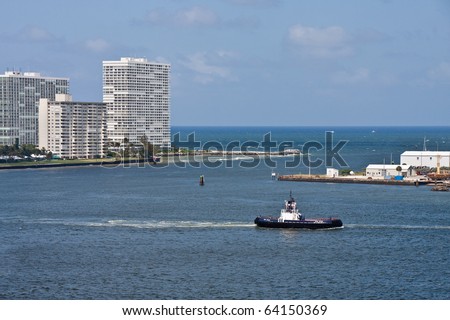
point(431, 159)
point(389, 170)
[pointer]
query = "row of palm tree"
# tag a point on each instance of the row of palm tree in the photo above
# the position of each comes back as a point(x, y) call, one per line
point(22, 151)
point(144, 149)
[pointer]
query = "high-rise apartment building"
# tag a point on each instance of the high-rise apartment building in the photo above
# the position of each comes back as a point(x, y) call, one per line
point(137, 93)
point(19, 104)
point(72, 129)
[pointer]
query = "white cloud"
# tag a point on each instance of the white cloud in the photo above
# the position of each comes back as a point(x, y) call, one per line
point(323, 43)
point(156, 16)
point(226, 54)
point(441, 72)
point(358, 76)
point(209, 67)
point(97, 45)
point(36, 34)
point(196, 17)
point(190, 17)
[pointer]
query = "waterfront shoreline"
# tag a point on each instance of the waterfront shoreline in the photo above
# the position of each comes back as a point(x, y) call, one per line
point(73, 164)
point(163, 159)
point(350, 179)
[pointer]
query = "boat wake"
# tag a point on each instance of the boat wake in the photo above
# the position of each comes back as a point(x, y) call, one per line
point(149, 224)
point(396, 227)
point(215, 158)
point(172, 224)
point(155, 224)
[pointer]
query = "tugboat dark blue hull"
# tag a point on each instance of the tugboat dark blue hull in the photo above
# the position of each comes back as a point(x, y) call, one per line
point(321, 223)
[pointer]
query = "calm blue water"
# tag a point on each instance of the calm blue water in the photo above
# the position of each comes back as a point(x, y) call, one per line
point(364, 144)
point(154, 233)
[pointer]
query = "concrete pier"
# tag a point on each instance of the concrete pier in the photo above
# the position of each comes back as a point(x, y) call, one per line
point(348, 179)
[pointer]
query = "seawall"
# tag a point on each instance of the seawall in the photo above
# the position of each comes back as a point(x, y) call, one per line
point(75, 164)
point(358, 179)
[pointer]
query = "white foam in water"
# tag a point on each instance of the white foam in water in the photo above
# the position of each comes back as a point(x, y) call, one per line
point(163, 224)
point(148, 224)
point(155, 224)
point(166, 224)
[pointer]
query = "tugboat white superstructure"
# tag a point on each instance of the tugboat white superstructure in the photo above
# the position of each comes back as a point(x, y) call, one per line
point(290, 217)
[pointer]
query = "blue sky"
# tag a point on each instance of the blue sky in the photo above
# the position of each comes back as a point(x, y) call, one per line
point(251, 62)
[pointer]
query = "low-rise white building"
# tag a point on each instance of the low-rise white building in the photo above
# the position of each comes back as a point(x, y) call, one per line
point(431, 159)
point(72, 129)
point(384, 170)
point(331, 172)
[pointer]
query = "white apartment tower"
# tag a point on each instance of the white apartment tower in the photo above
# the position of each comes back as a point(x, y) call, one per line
point(137, 93)
point(72, 129)
point(19, 104)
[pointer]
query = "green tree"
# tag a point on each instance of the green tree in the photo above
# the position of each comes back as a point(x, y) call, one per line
point(27, 150)
point(148, 149)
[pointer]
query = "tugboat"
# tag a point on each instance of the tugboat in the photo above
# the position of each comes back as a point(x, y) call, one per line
point(291, 218)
